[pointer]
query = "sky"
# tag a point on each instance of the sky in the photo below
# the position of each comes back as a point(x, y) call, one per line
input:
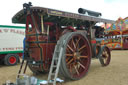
point(110, 9)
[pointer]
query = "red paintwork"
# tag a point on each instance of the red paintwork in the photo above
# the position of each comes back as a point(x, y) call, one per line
point(12, 60)
point(93, 41)
point(49, 23)
point(41, 51)
point(70, 27)
point(47, 50)
point(2, 56)
point(20, 54)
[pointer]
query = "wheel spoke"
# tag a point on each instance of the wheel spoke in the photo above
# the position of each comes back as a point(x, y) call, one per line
point(77, 42)
point(82, 47)
point(103, 53)
point(70, 61)
point(76, 70)
point(67, 59)
point(73, 43)
point(70, 48)
point(69, 54)
point(105, 60)
point(81, 65)
point(103, 57)
point(106, 53)
point(78, 65)
point(83, 56)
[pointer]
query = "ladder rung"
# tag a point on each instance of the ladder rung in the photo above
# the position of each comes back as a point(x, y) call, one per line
point(55, 58)
point(52, 73)
point(58, 43)
point(57, 51)
point(54, 65)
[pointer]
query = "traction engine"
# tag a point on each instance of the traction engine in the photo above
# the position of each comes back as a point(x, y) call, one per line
point(73, 38)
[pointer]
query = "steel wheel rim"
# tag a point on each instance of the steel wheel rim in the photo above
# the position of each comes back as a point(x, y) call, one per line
point(12, 60)
point(77, 56)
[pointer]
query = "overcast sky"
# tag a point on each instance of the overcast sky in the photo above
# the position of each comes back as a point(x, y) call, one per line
point(110, 9)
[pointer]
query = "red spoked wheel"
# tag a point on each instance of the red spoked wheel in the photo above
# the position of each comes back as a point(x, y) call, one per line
point(77, 56)
point(106, 57)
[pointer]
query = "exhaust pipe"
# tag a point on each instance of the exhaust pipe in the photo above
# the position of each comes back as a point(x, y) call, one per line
point(89, 12)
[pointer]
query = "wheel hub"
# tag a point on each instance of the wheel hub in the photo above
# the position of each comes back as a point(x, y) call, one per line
point(12, 59)
point(77, 55)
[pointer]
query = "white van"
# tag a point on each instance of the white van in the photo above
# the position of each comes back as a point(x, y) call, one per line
point(11, 43)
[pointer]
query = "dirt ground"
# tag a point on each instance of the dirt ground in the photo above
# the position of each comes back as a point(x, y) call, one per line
point(114, 74)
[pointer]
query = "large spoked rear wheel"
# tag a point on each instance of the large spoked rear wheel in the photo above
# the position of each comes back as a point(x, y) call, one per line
point(76, 55)
point(105, 57)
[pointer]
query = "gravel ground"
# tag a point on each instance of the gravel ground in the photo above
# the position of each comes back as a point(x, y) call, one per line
point(114, 74)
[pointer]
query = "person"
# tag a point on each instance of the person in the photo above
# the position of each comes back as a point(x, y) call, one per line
point(23, 47)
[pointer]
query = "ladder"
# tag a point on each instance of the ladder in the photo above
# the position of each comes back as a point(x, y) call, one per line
point(21, 67)
point(23, 60)
point(56, 60)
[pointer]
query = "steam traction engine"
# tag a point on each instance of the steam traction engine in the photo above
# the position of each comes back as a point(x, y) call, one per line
point(64, 40)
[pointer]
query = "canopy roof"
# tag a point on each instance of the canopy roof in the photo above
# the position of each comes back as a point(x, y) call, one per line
point(55, 15)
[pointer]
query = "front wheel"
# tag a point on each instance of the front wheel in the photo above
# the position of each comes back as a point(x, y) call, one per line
point(76, 57)
point(105, 58)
